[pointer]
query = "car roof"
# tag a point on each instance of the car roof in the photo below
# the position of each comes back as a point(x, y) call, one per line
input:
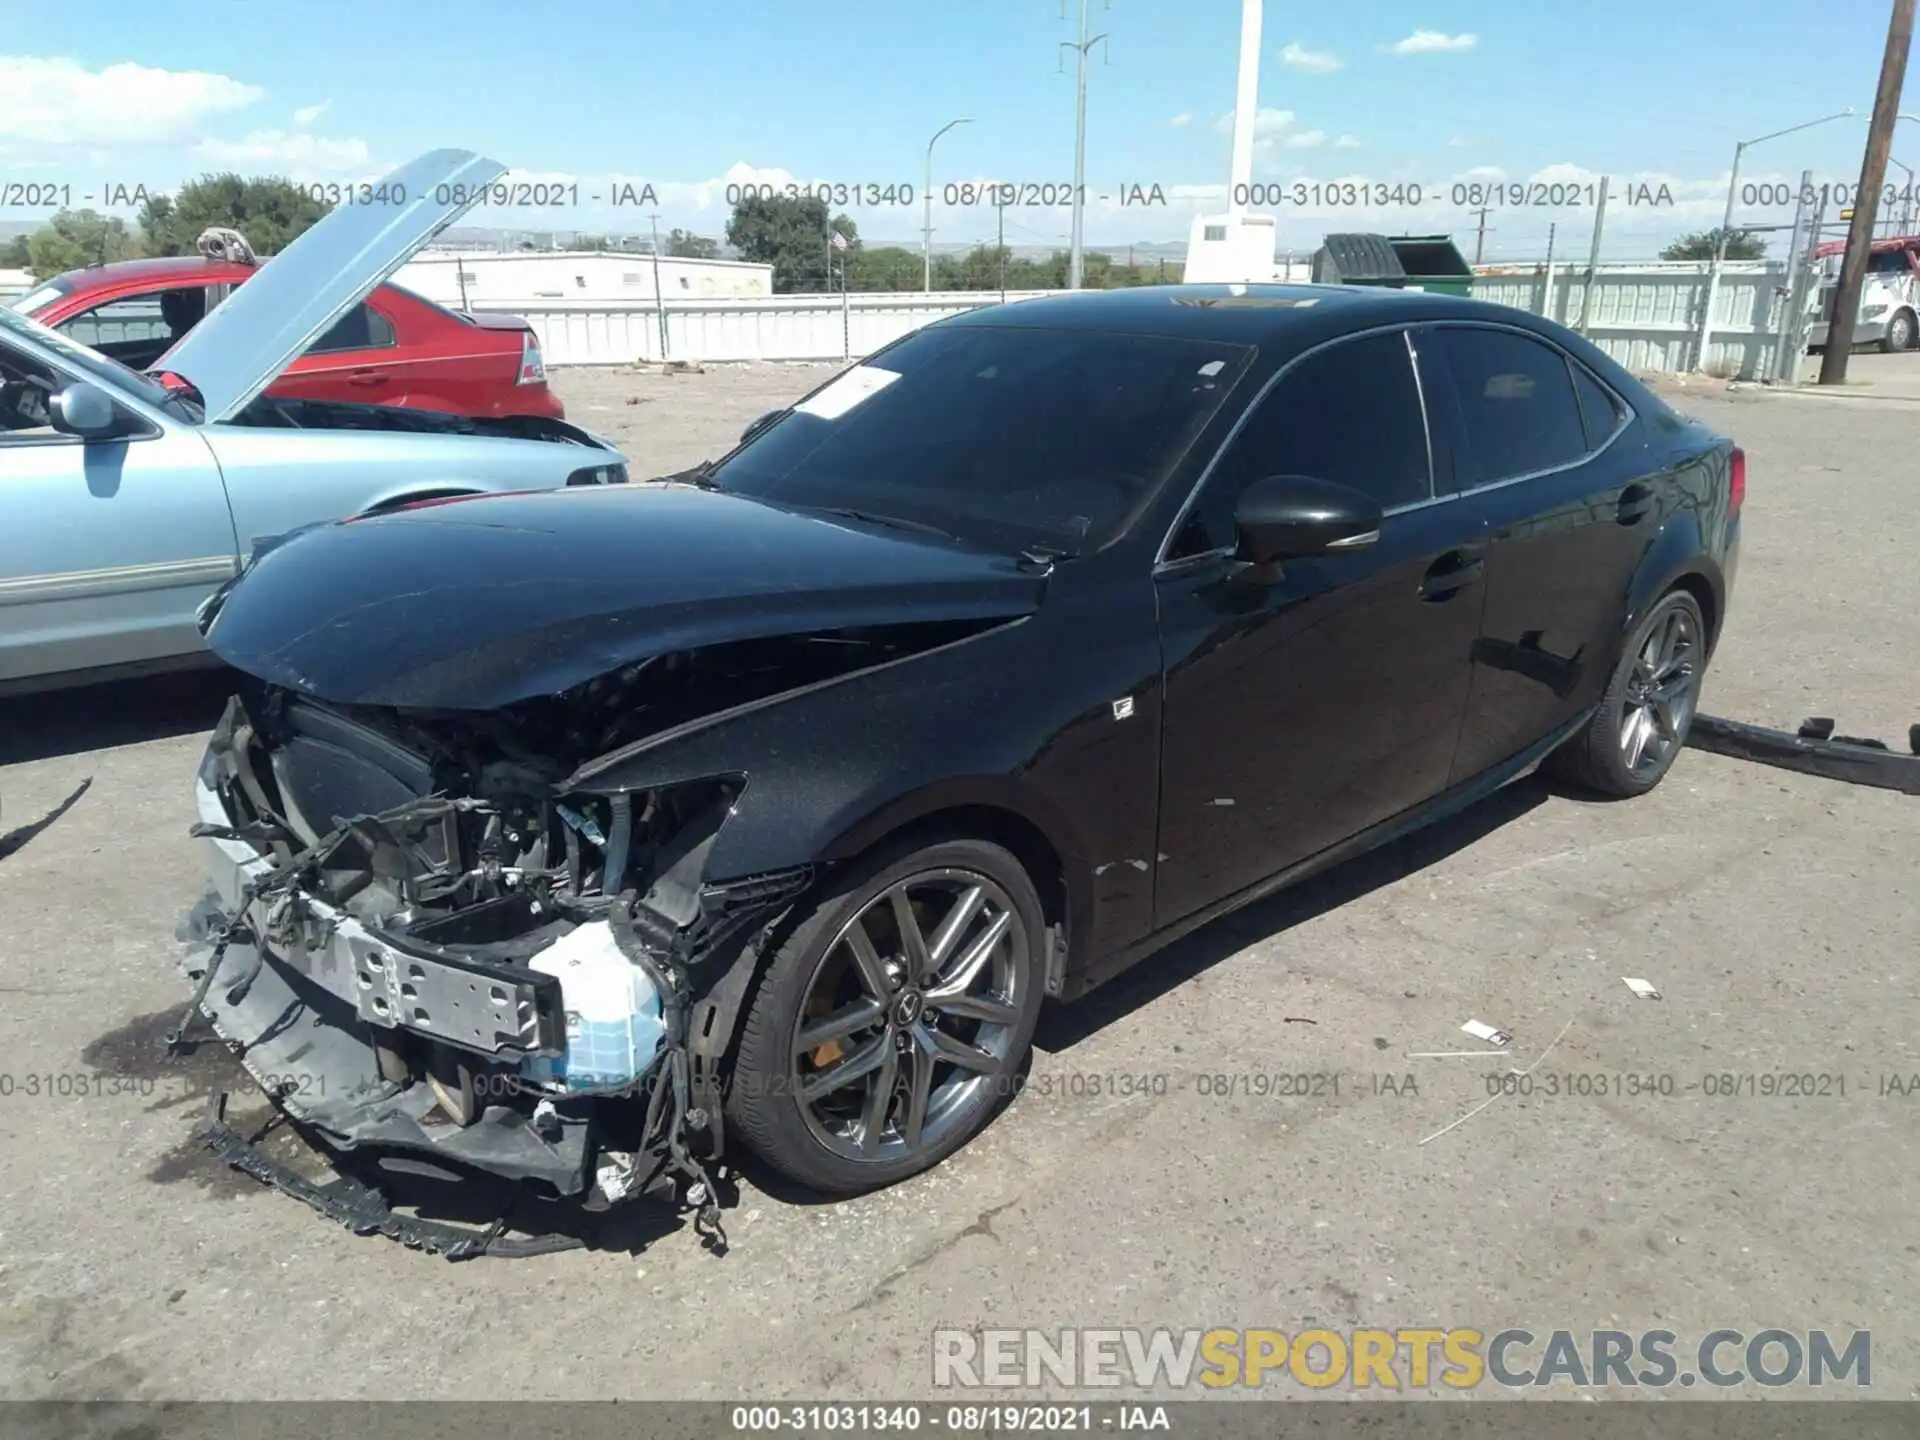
point(160, 267)
point(1237, 314)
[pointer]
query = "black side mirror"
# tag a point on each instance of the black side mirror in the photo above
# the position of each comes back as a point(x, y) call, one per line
point(758, 425)
point(1288, 517)
point(86, 410)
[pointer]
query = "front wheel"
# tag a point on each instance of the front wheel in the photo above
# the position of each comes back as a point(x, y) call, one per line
point(893, 1017)
point(1630, 743)
point(1901, 332)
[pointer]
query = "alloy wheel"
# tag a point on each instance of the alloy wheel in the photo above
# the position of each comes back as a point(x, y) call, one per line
point(911, 1013)
point(1660, 693)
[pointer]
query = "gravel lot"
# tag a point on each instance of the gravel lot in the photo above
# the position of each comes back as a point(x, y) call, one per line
point(1778, 914)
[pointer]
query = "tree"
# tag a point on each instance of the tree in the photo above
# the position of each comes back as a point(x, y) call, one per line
point(74, 238)
point(688, 246)
point(14, 254)
point(270, 211)
point(1741, 245)
point(792, 234)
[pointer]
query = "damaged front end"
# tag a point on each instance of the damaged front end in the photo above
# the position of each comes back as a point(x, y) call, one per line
point(427, 949)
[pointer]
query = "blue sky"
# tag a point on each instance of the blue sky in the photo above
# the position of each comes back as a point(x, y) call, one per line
point(686, 96)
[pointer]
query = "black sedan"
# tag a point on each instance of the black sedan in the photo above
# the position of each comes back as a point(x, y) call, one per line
point(588, 832)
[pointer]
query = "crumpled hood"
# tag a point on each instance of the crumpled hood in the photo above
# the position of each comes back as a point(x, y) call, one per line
point(477, 603)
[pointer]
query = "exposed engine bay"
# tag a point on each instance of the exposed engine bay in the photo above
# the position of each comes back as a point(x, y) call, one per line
point(424, 939)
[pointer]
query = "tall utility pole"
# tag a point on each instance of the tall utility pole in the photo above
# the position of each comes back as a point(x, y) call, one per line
point(1082, 47)
point(659, 295)
point(1480, 234)
point(1873, 174)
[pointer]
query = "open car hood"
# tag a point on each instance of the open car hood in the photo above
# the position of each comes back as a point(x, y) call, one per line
point(477, 603)
point(244, 343)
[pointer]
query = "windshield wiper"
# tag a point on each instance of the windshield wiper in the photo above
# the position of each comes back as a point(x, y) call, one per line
point(700, 476)
point(849, 512)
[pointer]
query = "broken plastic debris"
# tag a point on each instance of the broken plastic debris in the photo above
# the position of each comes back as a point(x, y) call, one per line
point(1487, 1033)
point(1643, 988)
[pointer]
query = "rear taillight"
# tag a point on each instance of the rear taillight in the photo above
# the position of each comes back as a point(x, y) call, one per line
point(533, 369)
point(1736, 483)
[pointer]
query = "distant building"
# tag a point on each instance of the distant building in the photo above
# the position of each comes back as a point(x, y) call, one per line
point(522, 277)
point(14, 282)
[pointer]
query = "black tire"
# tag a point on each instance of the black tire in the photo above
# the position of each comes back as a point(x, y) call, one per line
point(817, 972)
point(1902, 332)
point(1601, 756)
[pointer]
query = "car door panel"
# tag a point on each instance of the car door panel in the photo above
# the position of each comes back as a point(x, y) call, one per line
point(1563, 544)
point(358, 360)
point(1298, 714)
point(109, 548)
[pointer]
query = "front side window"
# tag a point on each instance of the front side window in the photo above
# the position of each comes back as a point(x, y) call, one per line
point(1350, 413)
point(1002, 436)
point(89, 362)
point(26, 385)
point(138, 329)
point(1516, 402)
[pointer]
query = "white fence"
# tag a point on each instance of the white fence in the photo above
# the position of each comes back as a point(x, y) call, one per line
point(1646, 316)
point(771, 327)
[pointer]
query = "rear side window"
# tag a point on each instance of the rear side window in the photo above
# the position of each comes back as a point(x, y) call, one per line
point(361, 328)
point(1598, 409)
point(1516, 403)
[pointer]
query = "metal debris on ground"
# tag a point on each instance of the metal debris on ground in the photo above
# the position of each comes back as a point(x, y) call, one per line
point(1643, 988)
point(1814, 750)
point(1481, 1031)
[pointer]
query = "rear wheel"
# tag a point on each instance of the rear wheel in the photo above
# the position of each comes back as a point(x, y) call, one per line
point(1630, 743)
point(893, 1017)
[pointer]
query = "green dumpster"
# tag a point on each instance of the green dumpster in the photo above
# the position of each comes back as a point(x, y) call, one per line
point(1405, 262)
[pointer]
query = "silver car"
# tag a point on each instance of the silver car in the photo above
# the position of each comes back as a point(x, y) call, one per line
point(128, 501)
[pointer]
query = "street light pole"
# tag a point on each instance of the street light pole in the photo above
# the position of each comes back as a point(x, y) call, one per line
point(926, 233)
point(1726, 224)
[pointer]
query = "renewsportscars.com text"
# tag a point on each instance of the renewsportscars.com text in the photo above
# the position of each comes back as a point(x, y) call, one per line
point(1404, 1359)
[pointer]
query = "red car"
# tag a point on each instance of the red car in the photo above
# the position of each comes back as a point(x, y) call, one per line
point(394, 348)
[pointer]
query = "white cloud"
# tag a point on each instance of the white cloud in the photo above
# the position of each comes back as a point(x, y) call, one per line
point(1181, 121)
point(307, 114)
point(1432, 42)
point(1267, 123)
point(1347, 142)
point(1305, 140)
point(1315, 62)
point(54, 100)
point(296, 153)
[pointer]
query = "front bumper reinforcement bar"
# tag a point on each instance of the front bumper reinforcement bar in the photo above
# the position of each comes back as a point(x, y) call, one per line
point(1814, 750)
point(363, 1210)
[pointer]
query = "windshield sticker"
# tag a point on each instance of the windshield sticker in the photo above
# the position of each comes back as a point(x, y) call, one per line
point(859, 384)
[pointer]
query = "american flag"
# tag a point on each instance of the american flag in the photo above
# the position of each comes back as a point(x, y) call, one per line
point(839, 241)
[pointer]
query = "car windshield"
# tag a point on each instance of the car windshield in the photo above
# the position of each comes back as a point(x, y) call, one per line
point(99, 366)
point(34, 300)
point(1003, 437)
